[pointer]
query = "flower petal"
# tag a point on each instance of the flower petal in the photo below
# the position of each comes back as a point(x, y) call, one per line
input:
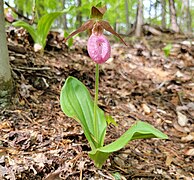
point(99, 48)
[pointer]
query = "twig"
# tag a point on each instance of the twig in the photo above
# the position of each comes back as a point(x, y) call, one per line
point(182, 103)
point(15, 11)
point(32, 68)
point(103, 175)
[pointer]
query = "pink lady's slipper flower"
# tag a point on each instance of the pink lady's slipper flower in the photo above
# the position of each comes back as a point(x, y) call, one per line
point(8, 15)
point(99, 48)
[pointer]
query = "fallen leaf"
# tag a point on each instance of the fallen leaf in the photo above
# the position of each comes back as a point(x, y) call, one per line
point(180, 128)
point(188, 138)
point(189, 152)
point(5, 125)
point(182, 119)
point(132, 107)
point(54, 175)
point(169, 160)
point(41, 160)
point(191, 105)
point(179, 74)
point(146, 109)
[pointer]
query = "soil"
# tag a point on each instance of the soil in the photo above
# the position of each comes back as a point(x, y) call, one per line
point(138, 82)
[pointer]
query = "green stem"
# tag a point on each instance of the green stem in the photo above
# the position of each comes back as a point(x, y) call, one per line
point(96, 102)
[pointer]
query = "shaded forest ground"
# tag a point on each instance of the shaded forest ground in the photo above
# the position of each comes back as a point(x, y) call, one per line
point(38, 141)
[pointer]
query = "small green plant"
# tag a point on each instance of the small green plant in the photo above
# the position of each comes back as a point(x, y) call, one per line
point(70, 41)
point(167, 49)
point(76, 101)
point(40, 32)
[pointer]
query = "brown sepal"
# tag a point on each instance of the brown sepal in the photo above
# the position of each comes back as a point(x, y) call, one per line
point(86, 26)
point(98, 12)
point(108, 28)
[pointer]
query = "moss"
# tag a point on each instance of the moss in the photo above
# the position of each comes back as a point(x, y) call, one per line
point(6, 89)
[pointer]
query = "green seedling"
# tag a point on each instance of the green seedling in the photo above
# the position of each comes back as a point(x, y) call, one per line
point(167, 49)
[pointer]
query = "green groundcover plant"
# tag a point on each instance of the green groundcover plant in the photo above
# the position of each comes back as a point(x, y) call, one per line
point(40, 32)
point(167, 49)
point(76, 101)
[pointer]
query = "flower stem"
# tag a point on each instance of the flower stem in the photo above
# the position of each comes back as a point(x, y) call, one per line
point(96, 101)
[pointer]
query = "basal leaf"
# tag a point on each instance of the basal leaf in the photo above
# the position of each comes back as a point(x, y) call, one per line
point(77, 103)
point(28, 27)
point(44, 25)
point(39, 34)
point(137, 131)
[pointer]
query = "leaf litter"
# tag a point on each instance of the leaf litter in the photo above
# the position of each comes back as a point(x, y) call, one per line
point(37, 141)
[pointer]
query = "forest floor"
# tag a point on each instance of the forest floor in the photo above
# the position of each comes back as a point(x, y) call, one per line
point(37, 141)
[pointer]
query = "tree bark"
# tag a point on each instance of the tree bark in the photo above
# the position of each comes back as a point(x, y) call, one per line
point(163, 2)
point(127, 15)
point(64, 16)
point(139, 19)
point(79, 14)
point(6, 85)
point(173, 18)
point(187, 19)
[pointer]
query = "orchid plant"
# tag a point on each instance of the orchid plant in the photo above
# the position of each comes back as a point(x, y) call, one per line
point(76, 101)
point(40, 32)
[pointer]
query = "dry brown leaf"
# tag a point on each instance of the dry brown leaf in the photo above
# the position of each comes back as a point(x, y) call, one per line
point(188, 138)
point(180, 128)
point(146, 109)
point(157, 74)
point(169, 160)
point(5, 125)
point(189, 152)
point(54, 175)
point(182, 119)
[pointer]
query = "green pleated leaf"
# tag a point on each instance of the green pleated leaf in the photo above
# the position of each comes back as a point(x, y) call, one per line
point(29, 28)
point(39, 34)
point(45, 23)
point(138, 131)
point(77, 103)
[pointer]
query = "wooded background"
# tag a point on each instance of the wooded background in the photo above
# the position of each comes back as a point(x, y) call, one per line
point(150, 80)
point(126, 16)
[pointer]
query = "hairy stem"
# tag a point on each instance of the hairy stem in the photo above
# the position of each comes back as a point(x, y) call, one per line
point(96, 101)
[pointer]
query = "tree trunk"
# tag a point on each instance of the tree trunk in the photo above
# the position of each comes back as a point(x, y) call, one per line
point(64, 16)
point(79, 14)
point(173, 18)
point(139, 19)
point(127, 15)
point(6, 84)
point(186, 16)
point(156, 8)
point(163, 2)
